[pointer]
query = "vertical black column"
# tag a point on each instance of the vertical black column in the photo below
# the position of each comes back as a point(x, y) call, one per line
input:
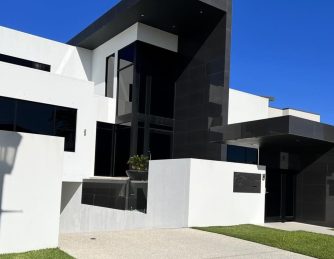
point(201, 92)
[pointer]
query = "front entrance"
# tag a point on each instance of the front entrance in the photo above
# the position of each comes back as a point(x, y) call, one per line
point(280, 195)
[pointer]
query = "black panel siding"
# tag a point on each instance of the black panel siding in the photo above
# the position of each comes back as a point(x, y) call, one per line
point(201, 93)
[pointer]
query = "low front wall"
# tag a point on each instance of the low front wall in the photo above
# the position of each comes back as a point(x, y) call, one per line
point(31, 169)
point(181, 193)
point(212, 200)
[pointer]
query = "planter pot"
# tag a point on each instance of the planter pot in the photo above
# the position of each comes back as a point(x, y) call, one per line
point(136, 175)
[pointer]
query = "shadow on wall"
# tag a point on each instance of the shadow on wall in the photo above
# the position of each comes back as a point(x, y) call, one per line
point(67, 193)
point(86, 60)
point(9, 142)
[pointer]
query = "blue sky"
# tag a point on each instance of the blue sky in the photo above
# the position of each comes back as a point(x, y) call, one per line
point(280, 48)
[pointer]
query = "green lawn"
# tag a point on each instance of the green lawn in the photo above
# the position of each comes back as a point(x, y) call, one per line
point(306, 243)
point(41, 254)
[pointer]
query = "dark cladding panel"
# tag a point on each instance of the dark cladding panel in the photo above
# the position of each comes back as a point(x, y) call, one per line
point(314, 191)
point(247, 183)
point(201, 92)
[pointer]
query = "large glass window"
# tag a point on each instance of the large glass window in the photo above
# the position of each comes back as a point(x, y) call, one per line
point(239, 154)
point(38, 118)
point(156, 67)
point(110, 76)
point(35, 118)
point(125, 80)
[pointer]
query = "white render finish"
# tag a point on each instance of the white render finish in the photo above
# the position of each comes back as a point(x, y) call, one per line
point(181, 193)
point(34, 85)
point(64, 59)
point(212, 201)
point(274, 112)
point(245, 107)
point(30, 187)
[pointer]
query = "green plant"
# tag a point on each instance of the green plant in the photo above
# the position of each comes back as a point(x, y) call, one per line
point(139, 163)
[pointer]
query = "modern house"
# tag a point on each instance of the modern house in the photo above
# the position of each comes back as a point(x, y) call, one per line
point(148, 77)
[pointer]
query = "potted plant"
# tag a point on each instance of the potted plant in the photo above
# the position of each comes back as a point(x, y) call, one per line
point(138, 168)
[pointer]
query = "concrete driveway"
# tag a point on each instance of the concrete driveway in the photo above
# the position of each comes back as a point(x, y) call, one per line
point(165, 243)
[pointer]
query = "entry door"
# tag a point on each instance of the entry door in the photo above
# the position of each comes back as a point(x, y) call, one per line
point(273, 195)
point(280, 195)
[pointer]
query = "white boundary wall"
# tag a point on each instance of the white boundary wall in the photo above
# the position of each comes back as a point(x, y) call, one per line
point(181, 193)
point(30, 187)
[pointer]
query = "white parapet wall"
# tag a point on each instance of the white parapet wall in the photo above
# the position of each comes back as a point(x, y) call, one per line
point(245, 107)
point(181, 193)
point(274, 112)
point(30, 191)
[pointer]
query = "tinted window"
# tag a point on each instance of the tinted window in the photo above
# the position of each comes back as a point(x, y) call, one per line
point(38, 118)
point(35, 118)
point(24, 63)
point(7, 114)
point(110, 76)
point(242, 155)
point(126, 56)
point(156, 67)
point(125, 80)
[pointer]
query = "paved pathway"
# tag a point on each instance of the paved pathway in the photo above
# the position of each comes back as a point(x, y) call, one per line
point(295, 226)
point(165, 243)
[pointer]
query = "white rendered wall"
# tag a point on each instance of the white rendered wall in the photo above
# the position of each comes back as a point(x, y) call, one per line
point(181, 193)
point(246, 107)
point(274, 112)
point(137, 31)
point(64, 59)
point(30, 188)
point(167, 204)
point(34, 85)
point(301, 114)
point(212, 200)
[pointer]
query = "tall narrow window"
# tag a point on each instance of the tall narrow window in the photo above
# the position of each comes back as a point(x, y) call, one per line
point(110, 76)
point(125, 80)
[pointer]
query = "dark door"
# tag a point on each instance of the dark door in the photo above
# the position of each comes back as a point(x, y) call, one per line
point(104, 149)
point(280, 195)
point(273, 195)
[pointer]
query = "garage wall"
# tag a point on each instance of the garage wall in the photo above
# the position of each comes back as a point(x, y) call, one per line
point(31, 169)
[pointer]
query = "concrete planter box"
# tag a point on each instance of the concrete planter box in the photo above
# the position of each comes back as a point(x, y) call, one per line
point(136, 175)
